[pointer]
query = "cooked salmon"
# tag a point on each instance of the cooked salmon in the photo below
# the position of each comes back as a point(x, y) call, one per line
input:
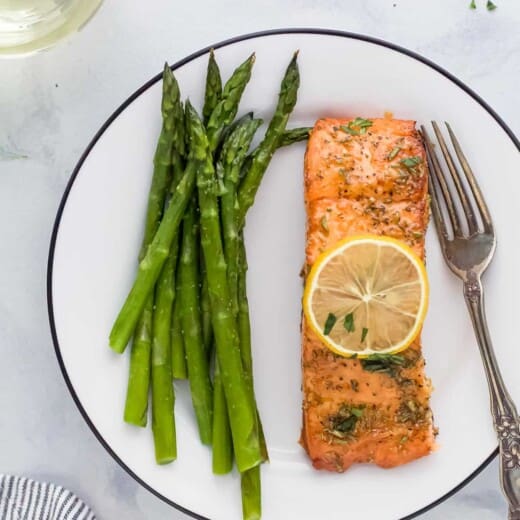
point(366, 176)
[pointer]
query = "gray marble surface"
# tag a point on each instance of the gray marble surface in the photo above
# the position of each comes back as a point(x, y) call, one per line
point(52, 103)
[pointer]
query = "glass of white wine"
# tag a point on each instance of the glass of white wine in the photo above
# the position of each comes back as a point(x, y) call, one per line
point(27, 26)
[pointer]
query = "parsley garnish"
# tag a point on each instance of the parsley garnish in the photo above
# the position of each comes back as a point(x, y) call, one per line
point(393, 153)
point(358, 126)
point(387, 363)
point(358, 412)
point(473, 5)
point(343, 424)
point(490, 6)
point(329, 323)
point(411, 162)
point(348, 322)
point(364, 333)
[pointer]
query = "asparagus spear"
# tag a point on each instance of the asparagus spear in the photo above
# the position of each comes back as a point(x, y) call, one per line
point(205, 308)
point(244, 332)
point(251, 494)
point(294, 135)
point(163, 421)
point(196, 357)
point(151, 265)
point(242, 412)
point(232, 156)
point(163, 397)
point(226, 109)
point(136, 405)
point(222, 442)
point(213, 92)
point(263, 154)
point(250, 480)
point(179, 368)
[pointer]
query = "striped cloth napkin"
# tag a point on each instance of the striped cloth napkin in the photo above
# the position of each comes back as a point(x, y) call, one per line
point(25, 499)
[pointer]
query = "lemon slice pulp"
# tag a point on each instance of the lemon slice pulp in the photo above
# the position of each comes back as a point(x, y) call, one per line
point(367, 295)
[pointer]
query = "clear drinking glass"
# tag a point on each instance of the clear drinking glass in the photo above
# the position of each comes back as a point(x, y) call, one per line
point(30, 25)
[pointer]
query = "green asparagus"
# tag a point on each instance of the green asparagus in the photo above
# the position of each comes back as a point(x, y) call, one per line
point(196, 357)
point(232, 157)
point(251, 494)
point(263, 154)
point(222, 442)
point(163, 421)
point(226, 109)
point(241, 410)
point(294, 135)
point(213, 93)
point(179, 368)
point(136, 405)
point(205, 308)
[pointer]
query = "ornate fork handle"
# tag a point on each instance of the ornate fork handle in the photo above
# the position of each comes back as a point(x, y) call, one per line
point(505, 415)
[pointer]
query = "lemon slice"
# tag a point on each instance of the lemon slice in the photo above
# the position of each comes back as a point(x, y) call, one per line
point(367, 295)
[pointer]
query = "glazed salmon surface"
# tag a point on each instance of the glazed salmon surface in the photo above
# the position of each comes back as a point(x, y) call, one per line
point(370, 180)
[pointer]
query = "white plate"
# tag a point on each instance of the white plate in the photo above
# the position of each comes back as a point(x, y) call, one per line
point(93, 260)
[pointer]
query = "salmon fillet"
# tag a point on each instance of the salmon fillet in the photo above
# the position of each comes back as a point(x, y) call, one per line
point(356, 180)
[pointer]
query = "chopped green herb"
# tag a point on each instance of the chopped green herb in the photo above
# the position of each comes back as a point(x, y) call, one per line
point(411, 162)
point(343, 424)
point(329, 323)
point(324, 224)
point(393, 153)
point(404, 438)
point(358, 126)
point(490, 6)
point(348, 322)
point(354, 384)
point(385, 363)
point(473, 5)
point(364, 333)
point(358, 412)
point(416, 234)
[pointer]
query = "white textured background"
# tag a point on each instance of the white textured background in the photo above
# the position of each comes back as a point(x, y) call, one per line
point(51, 104)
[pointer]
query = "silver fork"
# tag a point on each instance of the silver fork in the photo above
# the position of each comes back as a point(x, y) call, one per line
point(468, 247)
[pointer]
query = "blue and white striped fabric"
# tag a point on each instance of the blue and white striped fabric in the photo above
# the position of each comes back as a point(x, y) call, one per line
point(25, 499)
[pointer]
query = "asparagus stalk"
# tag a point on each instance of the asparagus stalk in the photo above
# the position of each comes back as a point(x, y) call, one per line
point(250, 485)
point(196, 357)
point(294, 135)
point(244, 332)
point(263, 154)
point(232, 154)
point(163, 397)
point(179, 368)
point(163, 421)
point(226, 109)
point(222, 442)
point(213, 92)
point(151, 265)
point(249, 480)
point(136, 405)
point(242, 413)
point(205, 308)
point(232, 157)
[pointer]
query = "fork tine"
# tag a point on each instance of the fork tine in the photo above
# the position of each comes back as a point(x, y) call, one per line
point(436, 212)
point(437, 173)
point(472, 181)
point(461, 190)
